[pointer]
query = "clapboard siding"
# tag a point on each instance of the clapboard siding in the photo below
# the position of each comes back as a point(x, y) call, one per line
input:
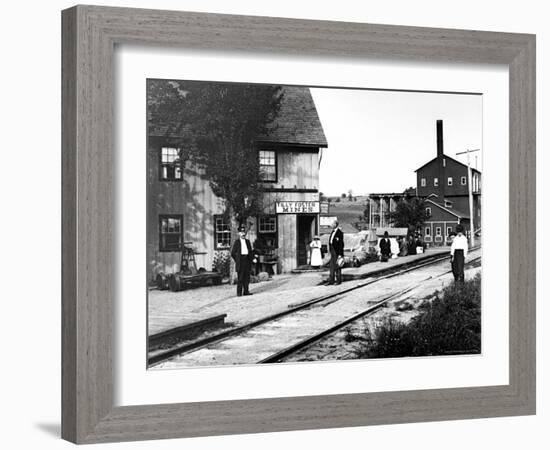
point(287, 241)
point(298, 170)
point(194, 200)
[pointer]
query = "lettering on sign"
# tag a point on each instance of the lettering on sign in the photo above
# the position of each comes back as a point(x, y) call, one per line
point(324, 208)
point(285, 207)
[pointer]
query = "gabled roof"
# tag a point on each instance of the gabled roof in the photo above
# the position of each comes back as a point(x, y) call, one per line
point(297, 122)
point(447, 157)
point(453, 211)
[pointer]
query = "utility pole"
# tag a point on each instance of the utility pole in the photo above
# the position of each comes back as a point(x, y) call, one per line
point(470, 194)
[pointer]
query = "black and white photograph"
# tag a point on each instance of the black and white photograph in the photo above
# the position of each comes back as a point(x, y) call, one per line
point(290, 224)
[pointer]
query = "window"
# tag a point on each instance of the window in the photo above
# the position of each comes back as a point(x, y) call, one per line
point(463, 181)
point(438, 231)
point(429, 211)
point(449, 231)
point(448, 204)
point(170, 233)
point(423, 182)
point(449, 181)
point(428, 231)
point(267, 235)
point(170, 164)
point(267, 224)
point(222, 232)
point(268, 165)
point(436, 182)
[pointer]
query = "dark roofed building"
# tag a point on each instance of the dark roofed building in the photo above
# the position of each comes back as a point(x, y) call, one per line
point(444, 183)
point(183, 211)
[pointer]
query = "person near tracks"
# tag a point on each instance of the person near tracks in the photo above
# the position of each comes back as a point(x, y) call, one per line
point(242, 254)
point(336, 249)
point(459, 251)
point(385, 247)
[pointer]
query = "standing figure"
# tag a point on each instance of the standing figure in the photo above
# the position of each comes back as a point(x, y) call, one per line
point(403, 247)
point(385, 247)
point(336, 249)
point(411, 245)
point(459, 251)
point(316, 257)
point(242, 254)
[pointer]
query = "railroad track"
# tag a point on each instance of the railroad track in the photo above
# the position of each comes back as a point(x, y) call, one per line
point(177, 350)
point(299, 346)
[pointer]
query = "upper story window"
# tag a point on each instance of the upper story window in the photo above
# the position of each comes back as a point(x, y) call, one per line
point(170, 164)
point(423, 182)
point(449, 181)
point(170, 233)
point(475, 182)
point(448, 204)
point(463, 181)
point(429, 211)
point(222, 232)
point(436, 182)
point(268, 165)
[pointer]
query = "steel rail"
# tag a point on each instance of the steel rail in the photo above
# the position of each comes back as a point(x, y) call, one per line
point(189, 347)
point(285, 353)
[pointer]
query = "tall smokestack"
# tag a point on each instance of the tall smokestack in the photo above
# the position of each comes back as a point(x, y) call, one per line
point(440, 162)
point(439, 131)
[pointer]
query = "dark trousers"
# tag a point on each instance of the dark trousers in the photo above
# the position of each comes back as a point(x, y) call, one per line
point(458, 265)
point(243, 275)
point(335, 269)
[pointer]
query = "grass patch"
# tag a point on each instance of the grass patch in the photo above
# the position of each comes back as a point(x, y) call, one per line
point(449, 324)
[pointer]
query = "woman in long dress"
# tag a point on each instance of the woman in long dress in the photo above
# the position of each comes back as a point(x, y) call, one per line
point(316, 257)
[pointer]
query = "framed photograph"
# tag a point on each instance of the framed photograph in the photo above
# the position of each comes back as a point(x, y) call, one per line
point(277, 224)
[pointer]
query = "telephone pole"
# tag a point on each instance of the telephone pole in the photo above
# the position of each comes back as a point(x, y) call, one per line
point(470, 193)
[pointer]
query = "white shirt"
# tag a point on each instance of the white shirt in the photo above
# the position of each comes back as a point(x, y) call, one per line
point(332, 234)
point(460, 243)
point(244, 247)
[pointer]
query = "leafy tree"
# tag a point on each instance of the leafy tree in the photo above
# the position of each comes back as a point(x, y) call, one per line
point(409, 213)
point(218, 125)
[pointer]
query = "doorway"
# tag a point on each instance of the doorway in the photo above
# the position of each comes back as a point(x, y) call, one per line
point(306, 228)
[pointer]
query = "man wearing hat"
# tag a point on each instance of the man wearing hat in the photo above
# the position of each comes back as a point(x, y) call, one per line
point(244, 258)
point(336, 248)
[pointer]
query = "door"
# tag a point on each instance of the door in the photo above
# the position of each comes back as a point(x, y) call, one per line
point(305, 226)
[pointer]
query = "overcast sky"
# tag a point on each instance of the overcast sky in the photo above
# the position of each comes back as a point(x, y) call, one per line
point(377, 139)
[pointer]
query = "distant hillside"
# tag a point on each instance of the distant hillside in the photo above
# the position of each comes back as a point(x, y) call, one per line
point(348, 212)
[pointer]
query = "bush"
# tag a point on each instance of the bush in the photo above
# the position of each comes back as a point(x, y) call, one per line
point(450, 324)
point(222, 262)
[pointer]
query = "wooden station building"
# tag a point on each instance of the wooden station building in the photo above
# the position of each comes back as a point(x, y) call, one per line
point(183, 211)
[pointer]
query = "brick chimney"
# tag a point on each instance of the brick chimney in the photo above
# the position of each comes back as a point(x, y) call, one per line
point(440, 162)
point(439, 131)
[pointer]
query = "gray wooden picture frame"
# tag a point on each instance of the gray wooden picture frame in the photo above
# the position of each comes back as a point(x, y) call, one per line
point(89, 37)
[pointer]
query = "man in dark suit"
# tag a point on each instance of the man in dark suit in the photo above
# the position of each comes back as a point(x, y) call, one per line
point(385, 247)
point(336, 249)
point(242, 254)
